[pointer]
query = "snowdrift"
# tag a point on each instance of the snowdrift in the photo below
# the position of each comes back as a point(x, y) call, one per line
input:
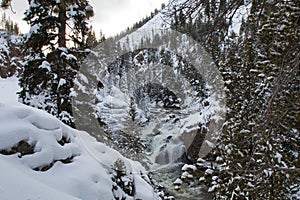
point(41, 158)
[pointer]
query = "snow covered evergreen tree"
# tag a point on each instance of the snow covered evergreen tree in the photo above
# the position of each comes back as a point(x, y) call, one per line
point(260, 66)
point(54, 46)
point(11, 57)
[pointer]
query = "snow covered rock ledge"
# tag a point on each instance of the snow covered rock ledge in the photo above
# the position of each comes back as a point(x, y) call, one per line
point(41, 158)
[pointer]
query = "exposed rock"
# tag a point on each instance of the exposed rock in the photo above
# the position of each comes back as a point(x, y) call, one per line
point(23, 147)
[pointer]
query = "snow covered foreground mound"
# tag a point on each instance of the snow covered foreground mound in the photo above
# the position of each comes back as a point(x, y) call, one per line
point(41, 158)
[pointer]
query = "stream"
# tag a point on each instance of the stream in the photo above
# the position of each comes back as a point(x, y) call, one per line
point(166, 151)
point(166, 176)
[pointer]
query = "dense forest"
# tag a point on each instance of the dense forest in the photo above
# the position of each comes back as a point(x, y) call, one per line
point(259, 148)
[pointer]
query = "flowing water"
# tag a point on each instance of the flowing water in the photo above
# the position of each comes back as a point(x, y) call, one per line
point(165, 150)
point(166, 176)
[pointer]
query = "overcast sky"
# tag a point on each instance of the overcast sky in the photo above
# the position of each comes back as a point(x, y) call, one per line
point(111, 16)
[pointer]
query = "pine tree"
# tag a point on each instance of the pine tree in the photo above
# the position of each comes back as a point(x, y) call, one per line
point(9, 25)
point(258, 162)
point(52, 62)
point(260, 66)
point(91, 40)
point(101, 37)
point(11, 57)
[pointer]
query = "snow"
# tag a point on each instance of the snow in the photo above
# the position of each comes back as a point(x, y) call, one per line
point(61, 82)
point(89, 8)
point(88, 174)
point(201, 179)
point(185, 175)
point(3, 43)
point(45, 65)
point(219, 159)
point(240, 14)
point(9, 87)
point(201, 160)
point(15, 184)
point(178, 181)
point(68, 56)
point(177, 187)
point(83, 78)
point(187, 167)
point(210, 144)
point(73, 10)
point(250, 184)
point(144, 191)
point(209, 171)
point(79, 85)
point(35, 28)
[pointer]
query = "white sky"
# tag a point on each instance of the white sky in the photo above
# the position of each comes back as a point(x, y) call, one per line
point(111, 16)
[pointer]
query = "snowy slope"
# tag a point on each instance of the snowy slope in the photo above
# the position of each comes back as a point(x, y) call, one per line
point(41, 158)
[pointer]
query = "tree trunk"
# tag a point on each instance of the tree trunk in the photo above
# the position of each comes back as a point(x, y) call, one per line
point(62, 17)
point(62, 28)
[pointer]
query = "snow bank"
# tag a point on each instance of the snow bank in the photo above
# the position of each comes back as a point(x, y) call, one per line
point(41, 158)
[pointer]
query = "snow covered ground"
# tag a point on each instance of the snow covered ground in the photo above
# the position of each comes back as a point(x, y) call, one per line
point(41, 158)
point(8, 89)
